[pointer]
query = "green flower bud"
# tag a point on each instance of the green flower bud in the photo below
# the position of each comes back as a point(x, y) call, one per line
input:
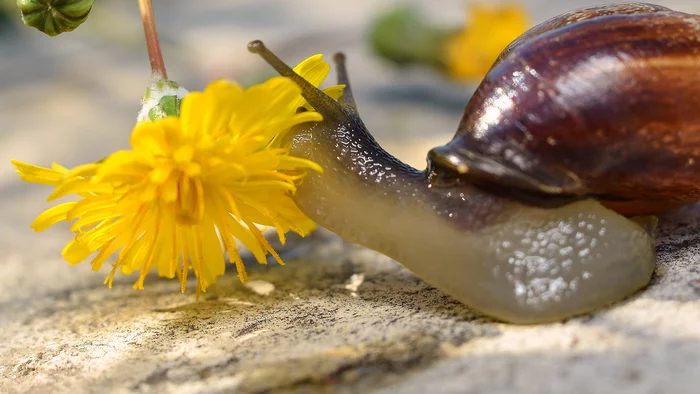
point(54, 17)
point(404, 37)
point(162, 99)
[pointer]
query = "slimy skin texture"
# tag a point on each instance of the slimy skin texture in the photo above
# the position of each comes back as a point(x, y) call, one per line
point(514, 261)
point(510, 261)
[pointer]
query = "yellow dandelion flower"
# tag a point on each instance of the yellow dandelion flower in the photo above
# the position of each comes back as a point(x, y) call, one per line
point(470, 54)
point(189, 187)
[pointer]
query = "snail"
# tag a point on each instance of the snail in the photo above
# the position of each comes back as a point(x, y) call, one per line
point(586, 120)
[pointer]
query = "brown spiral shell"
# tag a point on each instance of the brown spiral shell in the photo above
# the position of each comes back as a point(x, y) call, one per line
point(601, 102)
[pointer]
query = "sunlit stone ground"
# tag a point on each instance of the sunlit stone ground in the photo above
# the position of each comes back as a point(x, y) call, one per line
point(340, 318)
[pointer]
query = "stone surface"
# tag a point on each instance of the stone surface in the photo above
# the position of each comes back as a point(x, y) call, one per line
point(340, 318)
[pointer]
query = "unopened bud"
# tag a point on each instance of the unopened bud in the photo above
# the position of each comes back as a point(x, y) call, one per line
point(54, 17)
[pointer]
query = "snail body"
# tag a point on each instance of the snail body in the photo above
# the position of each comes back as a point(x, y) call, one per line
point(523, 238)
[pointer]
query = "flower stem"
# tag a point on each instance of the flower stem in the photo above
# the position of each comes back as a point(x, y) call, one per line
point(149, 28)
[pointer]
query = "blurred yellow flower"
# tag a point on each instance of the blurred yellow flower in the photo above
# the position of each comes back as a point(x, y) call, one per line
point(472, 52)
point(190, 186)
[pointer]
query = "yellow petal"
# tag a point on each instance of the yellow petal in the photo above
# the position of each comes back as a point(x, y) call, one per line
point(304, 226)
point(121, 166)
point(335, 91)
point(82, 170)
point(192, 110)
point(222, 98)
point(291, 163)
point(314, 69)
point(52, 216)
point(57, 167)
point(108, 250)
point(155, 138)
point(167, 253)
point(214, 264)
point(75, 252)
point(101, 234)
point(244, 235)
point(169, 192)
point(90, 204)
point(78, 186)
point(93, 217)
point(282, 125)
point(131, 259)
point(261, 104)
point(161, 174)
point(36, 174)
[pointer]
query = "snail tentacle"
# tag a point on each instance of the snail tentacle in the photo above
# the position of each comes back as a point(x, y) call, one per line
point(346, 100)
point(321, 102)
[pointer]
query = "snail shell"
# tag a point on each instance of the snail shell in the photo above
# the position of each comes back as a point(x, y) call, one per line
point(601, 102)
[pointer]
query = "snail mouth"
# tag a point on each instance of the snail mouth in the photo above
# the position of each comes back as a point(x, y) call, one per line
point(449, 166)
